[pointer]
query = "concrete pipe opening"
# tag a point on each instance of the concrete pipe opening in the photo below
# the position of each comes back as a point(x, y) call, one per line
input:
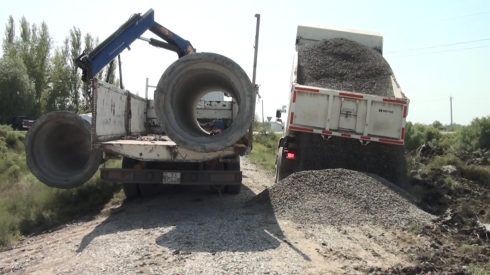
point(183, 85)
point(58, 150)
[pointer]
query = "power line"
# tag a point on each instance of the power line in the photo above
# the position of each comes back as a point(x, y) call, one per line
point(456, 50)
point(463, 16)
point(440, 46)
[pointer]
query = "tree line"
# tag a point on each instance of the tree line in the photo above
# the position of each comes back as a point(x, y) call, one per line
point(36, 77)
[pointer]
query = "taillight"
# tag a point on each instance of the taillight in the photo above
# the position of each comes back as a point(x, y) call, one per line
point(290, 155)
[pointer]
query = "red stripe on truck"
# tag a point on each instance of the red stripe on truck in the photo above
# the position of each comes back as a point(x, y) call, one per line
point(346, 135)
point(300, 129)
point(351, 95)
point(394, 101)
point(294, 97)
point(391, 141)
point(365, 137)
point(327, 132)
point(403, 133)
point(405, 109)
point(307, 90)
point(292, 118)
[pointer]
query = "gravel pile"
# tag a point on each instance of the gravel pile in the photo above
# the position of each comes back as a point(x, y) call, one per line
point(346, 65)
point(343, 197)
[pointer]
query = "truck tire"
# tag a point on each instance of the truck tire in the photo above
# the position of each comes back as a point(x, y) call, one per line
point(280, 174)
point(131, 190)
point(182, 86)
point(233, 189)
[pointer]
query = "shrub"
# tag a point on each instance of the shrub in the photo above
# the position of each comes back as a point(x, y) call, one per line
point(475, 136)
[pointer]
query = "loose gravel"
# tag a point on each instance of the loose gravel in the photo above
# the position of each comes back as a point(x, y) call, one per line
point(346, 65)
point(341, 197)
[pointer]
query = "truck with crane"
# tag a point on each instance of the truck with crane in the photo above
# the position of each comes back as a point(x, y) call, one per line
point(180, 137)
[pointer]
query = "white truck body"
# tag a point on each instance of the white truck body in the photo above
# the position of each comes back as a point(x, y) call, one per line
point(126, 124)
point(341, 113)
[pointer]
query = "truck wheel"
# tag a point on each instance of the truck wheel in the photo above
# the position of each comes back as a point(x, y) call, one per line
point(131, 190)
point(233, 189)
point(280, 175)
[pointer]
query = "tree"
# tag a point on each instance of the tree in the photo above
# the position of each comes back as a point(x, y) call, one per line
point(9, 40)
point(437, 124)
point(58, 96)
point(16, 90)
point(75, 51)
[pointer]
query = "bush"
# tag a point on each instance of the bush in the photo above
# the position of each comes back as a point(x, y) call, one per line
point(475, 136)
point(470, 172)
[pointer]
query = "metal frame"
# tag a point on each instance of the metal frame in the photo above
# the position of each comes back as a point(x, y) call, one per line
point(117, 175)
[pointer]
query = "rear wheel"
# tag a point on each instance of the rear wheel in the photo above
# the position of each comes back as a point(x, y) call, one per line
point(280, 174)
point(131, 190)
point(233, 189)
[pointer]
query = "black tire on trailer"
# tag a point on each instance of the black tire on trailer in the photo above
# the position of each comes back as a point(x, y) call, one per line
point(131, 190)
point(280, 174)
point(233, 189)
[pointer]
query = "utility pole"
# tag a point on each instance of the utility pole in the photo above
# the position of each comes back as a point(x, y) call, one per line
point(263, 112)
point(451, 107)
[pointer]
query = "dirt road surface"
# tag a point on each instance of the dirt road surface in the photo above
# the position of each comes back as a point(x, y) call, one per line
point(197, 231)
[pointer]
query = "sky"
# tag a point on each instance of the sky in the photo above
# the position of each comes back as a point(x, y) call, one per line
point(428, 76)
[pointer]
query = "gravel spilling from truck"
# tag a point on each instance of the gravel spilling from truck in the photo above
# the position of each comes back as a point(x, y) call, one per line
point(345, 65)
point(343, 197)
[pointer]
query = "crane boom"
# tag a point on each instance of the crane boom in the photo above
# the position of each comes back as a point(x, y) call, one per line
point(93, 62)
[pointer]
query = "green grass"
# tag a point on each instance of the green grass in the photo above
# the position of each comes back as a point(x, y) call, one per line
point(479, 270)
point(470, 172)
point(27, 206)
point(454, 185)
point(264, 151)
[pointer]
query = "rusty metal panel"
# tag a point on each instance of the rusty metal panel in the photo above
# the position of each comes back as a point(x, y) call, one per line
point(138, 115)
point(109, 112)
point(160, 150)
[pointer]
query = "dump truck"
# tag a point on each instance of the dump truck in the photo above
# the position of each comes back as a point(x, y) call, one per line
point(181, 137)
point(333, 128)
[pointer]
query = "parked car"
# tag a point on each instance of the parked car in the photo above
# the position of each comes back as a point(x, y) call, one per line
point(21, 123)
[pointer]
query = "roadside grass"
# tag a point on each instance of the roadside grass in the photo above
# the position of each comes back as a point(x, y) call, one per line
point(479, 270)
point(470, 172)
point(29, 207)
point(264, 151)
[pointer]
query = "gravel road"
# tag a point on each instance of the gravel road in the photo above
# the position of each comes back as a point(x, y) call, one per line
point(195, 231)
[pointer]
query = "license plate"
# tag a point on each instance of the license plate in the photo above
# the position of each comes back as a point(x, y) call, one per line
point(171, 178)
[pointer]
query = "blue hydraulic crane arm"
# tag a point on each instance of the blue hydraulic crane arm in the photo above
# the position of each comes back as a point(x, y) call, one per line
point(93, 62)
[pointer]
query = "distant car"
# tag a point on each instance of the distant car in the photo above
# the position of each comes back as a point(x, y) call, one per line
point(21, 123)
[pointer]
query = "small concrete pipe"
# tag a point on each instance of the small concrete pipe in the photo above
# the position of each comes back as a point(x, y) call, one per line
point(182, 86)
point(58, 150)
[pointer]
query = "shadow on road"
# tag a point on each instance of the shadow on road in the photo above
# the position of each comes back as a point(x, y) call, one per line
point(196, 219)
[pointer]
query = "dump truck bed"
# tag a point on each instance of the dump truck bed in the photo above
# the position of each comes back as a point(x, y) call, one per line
point(341, 113)
point(126, 124)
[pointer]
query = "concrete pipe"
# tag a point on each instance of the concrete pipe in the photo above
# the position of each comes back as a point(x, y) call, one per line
point(58, 150)
point(182, 86)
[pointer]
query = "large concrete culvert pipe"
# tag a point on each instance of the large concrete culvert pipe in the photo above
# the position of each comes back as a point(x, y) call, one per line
point(58, 150)
point(182, 86)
